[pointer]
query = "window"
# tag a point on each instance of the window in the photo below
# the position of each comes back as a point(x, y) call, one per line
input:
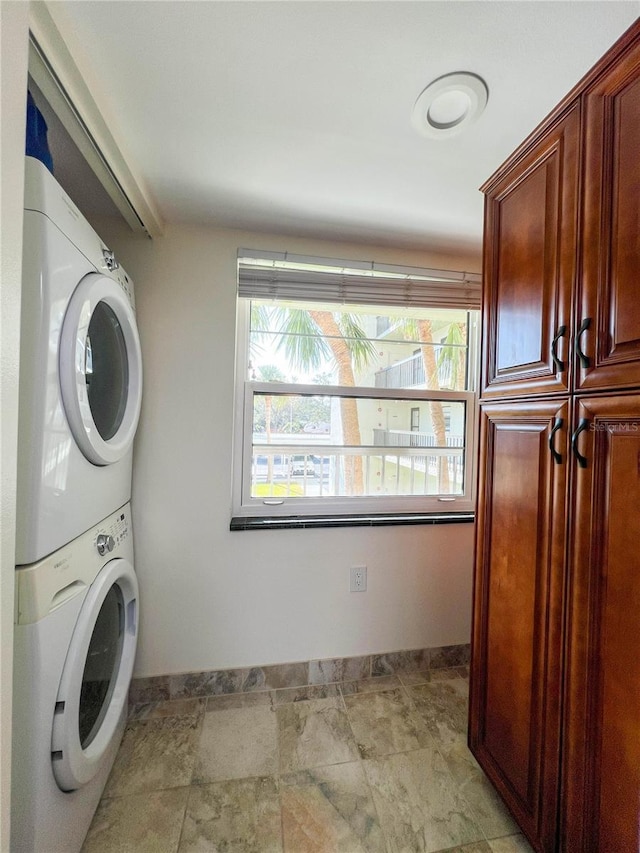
point(356, 391)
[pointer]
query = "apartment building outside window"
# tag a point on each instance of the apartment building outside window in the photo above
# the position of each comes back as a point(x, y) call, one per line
point(356, 389)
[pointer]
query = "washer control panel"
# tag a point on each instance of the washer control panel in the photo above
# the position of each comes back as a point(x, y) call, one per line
point(118, 273)
point(68, 573)
point(110, 535)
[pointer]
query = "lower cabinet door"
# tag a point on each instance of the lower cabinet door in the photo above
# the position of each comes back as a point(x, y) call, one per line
point(516, 676)
point(601, 778)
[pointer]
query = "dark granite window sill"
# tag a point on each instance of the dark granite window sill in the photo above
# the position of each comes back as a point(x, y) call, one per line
point(294, 522)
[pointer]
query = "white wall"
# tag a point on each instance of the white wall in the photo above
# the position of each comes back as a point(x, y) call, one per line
point(216, 599)
point(14, 19)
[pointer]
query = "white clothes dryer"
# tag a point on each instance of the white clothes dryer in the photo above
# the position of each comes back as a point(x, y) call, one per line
point(80, 374)
point(75, 641)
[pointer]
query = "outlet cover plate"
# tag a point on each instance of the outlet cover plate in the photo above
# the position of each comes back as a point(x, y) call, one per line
point(357, 579)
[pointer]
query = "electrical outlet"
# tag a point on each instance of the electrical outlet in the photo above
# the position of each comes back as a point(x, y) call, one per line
point(357, 578)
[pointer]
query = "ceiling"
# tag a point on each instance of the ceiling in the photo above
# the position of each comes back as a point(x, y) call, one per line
point(295, 117)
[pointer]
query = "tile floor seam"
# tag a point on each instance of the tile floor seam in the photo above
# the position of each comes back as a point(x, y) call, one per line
point(503, 835)
point(201, 783)
point(454, 764)
point(359, 761)
point(394, 751)
point(184, 816)
point(487, 836)
point(405, 690)
point(432, 743)
point(282, 836)
point(274, 709)
point(457, 786)
point(461, 794)
point(413, 708)
point(387, 842)
point(458, 789)
point(112, 797)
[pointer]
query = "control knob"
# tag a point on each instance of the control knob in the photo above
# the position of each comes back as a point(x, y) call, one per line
point(105, 543)
point(110, 260)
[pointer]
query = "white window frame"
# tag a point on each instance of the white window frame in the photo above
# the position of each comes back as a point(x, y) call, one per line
point(243, 505)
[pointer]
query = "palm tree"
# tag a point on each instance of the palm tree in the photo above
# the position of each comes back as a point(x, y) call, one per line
point(451, 359)
point(436, 411)
point(311, 337)
point(269, 373)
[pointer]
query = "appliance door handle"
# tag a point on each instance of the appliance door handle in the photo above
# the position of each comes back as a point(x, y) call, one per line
point(559, 364)
point(584, 359)
point(582, 426)
point(556, 456)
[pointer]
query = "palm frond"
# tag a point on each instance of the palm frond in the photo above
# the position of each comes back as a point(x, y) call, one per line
point(300, 339)
point(259, 329)
point(270, 373)
point(407, 327)
point(452, 356)
point(361, 348)
point(260, 315)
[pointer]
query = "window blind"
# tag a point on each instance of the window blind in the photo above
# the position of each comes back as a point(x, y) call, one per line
point(282, 276)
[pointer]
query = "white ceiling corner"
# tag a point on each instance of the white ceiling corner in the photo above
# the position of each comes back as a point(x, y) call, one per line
point(295, 117)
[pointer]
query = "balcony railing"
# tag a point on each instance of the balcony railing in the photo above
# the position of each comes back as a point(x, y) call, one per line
point(409, 373)
point(404, 438)
point(312, 471)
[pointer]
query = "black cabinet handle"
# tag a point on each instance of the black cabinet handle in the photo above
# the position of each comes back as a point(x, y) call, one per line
point(582, 426)
point(584, 359)
point(557, 456)
point(559, 365)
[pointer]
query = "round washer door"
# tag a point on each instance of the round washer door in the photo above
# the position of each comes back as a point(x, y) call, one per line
point(101, 369)
point(95, 680)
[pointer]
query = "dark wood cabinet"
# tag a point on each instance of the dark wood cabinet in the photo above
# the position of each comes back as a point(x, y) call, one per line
point(555, 676)
point(514, 702)
point(609, 298)
point(601, 777)
point(562, 226)
point(530, 265)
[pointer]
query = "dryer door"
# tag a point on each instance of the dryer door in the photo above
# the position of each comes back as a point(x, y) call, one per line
point(95, 680)
point(101, 369)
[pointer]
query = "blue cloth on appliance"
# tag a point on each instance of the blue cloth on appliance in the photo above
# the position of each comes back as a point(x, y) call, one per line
point(37, 145)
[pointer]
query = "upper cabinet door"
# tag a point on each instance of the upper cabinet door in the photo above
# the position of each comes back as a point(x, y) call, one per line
point(530, 267)
point(608, 348)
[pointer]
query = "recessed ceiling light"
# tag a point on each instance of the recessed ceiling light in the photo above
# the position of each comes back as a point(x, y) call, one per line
point(449, 105)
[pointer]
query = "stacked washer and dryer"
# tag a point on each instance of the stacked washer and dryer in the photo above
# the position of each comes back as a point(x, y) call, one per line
point(76, 616)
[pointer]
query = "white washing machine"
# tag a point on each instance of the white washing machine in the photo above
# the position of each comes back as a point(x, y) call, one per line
point(75, 640)
point(80, 374)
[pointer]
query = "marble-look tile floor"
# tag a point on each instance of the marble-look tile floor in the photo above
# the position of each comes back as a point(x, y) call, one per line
point(373, 766)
